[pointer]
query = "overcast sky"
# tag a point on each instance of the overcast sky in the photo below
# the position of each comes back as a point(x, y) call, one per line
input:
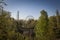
point(31, 7)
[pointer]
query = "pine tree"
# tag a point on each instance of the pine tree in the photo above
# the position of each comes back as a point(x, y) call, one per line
point(41, 28)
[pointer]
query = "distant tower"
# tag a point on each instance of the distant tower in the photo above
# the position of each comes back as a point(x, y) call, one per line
point(17, 15)
point(57, 17)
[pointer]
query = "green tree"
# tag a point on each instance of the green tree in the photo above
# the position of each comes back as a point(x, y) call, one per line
point(31, 23)
point(41, 28)
point(7, 26)
point(52, 27)
point(58, 24)
point(3, 25)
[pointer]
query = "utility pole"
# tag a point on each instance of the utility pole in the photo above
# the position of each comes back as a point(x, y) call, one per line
point(1, 5)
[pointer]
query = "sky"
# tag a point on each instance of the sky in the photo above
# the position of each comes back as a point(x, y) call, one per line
point(31, 7)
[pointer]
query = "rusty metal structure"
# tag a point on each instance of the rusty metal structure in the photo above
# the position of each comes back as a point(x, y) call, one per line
point(25, 31)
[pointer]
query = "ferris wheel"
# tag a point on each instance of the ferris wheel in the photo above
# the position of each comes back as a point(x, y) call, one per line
point(29, 17)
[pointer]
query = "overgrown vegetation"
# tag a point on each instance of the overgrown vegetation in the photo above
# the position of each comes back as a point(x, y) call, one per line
point(45, 28)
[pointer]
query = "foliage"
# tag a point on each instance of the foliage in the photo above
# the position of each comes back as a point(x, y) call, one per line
point(42, 26)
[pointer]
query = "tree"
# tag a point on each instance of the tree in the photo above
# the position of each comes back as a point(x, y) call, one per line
point(7, 26)
point(52, 27)
point(41, 28)
point(31, 23)
point(4, 23)
point(58, 24)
